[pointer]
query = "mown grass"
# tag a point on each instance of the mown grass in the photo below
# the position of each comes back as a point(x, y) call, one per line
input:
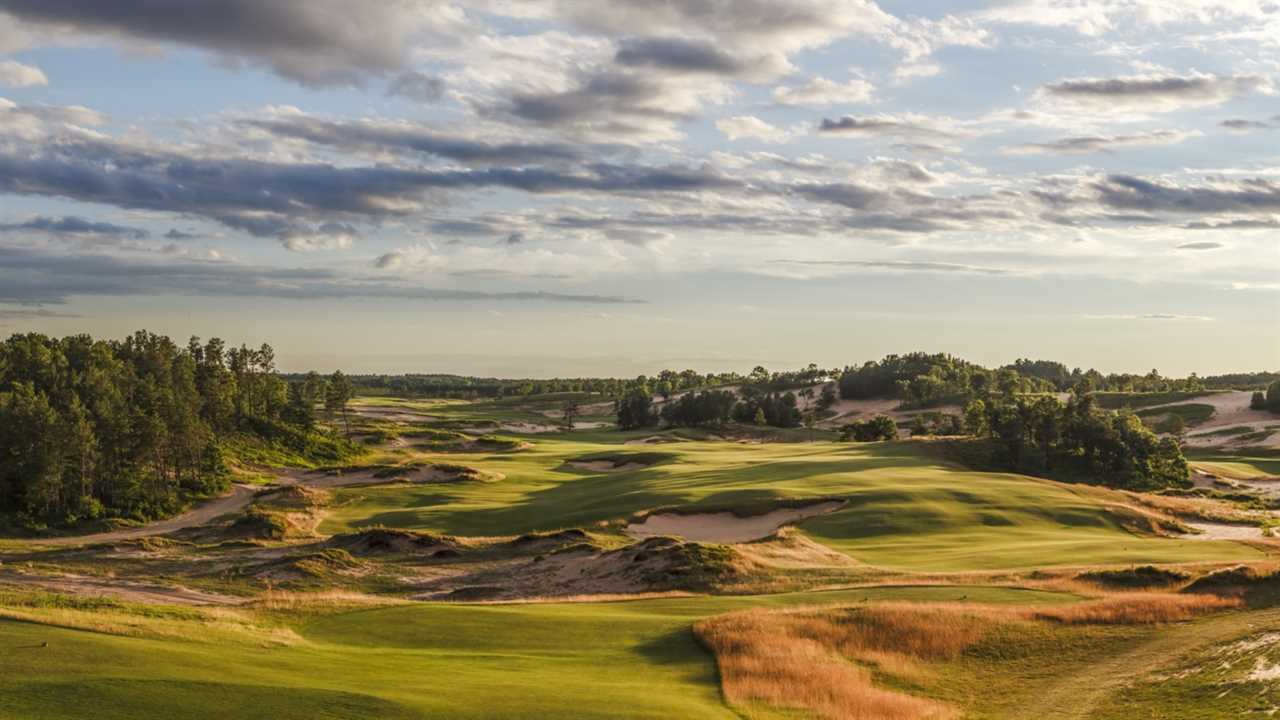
point(1236, 466)
point(907, 510)
point(1117, 400)
point(1191, 413)
point(605, 660)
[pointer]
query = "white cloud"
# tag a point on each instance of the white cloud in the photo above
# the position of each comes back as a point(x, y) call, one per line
point(820, 92)
point(749, 126)
point(16, 74)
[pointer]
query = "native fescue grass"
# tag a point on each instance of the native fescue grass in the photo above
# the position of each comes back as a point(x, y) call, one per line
point(827, 661)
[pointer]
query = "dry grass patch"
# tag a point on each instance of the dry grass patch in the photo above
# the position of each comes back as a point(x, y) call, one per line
point(825, 661)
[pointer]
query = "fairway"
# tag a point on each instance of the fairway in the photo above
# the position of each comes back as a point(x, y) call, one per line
point(906, 510)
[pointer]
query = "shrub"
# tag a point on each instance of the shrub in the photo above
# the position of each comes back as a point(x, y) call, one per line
point(880, 427)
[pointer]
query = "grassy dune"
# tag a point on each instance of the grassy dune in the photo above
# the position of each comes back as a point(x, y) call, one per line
point(907, 510)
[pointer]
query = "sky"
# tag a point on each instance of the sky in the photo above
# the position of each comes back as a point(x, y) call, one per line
point(563, 188)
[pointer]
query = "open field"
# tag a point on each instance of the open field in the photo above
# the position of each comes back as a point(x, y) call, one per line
point(449, 505)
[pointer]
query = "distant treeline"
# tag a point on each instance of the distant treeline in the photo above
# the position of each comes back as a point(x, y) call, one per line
point(470, 388)
point(919, 380)
point(925, 380)
point(93, 429)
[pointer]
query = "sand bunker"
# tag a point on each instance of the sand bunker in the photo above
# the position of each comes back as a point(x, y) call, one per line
point(1223, 531)
point(725, 527)
point(604, 466)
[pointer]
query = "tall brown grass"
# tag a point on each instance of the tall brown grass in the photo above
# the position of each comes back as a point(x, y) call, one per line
point(824, 661)
point(1134, 609)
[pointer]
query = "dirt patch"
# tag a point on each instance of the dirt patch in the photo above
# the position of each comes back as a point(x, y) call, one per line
point(655, 440)
point(725, 527)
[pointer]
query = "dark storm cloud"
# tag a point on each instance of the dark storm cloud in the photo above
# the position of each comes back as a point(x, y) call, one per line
point(406, 137)
point(75, 227)
point(28, 277)
point(313, 41)
point(854, 197)
point(678, 55)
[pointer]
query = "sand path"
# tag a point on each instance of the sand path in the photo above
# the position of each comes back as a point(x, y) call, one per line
point(725, 527)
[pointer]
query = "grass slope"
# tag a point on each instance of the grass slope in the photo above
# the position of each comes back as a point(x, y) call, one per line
point(633, 659)
point(907, 510)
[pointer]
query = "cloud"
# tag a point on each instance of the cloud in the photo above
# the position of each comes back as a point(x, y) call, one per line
point(32, 278)
point(410, 137)
point(677, 55)
point(749, 126)
point(1151, 316)
point(1245, 126)
point(821, 92)
point(16, 74)
point(75, 227)
point(905, 266)
point(1101, 143)
point(315, 42)
point(417, 86)
point(294, 201)
point(1151, 93)
point(905, 126)
point(329, 236)
point(1133, 193)
point(32, 314)
point(1200, 246)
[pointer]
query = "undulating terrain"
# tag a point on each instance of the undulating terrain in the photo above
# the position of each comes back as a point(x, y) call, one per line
point(480, 559)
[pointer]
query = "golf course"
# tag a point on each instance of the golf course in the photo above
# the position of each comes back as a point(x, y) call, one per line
point(474, 559)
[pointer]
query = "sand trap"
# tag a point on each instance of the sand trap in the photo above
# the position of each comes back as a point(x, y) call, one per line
point(654, 440)
point(604, 466)
point(1223, 531)
point(725, 527)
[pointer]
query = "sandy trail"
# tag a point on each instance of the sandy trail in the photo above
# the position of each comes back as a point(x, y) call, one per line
point(235, 501)
point(119, 589)
point(725, 527)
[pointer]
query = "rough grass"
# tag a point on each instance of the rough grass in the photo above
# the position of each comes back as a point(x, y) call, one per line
point(1191, 414)
point(832, 663)
point(1117, 400)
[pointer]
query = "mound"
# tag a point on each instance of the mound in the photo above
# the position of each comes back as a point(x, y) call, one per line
point(1254, 584)
point(619, 462)
point(1143, 576)
point(379, 541)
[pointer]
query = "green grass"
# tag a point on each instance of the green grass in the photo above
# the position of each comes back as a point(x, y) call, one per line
point(1117, 400)
point(1241, 466)
point(603, 660)
point(1191, 413)
point(907, 511)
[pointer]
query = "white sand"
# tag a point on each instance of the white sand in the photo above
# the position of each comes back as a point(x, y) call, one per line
point(1223, 531)
point(725, 527)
